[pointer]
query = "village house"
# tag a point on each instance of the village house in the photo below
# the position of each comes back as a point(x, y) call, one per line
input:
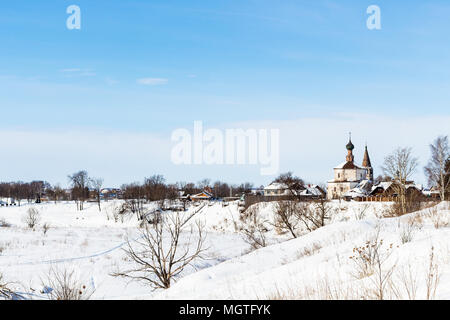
point(110, 193)
point(280, 190)
point(387, 189)
point(432, 193)
point(206, 194)
point(313, 191)
point(277, 189)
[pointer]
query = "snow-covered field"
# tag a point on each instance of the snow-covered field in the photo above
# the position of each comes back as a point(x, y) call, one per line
point(315, 265)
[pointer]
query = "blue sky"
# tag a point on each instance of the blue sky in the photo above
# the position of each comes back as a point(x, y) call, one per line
point(222, 62)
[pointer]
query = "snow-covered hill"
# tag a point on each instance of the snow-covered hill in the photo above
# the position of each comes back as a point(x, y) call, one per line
point(315, 265)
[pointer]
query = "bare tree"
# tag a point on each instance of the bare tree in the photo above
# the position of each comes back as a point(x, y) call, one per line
point(155, 187)
point(286, 217)
point(97, 184)
point(220, 189)
point(134, 195)
point(253, 228)
point(60, 194)
point(316, 215)
point(294, 184)
point(204, 184)
point(436, 170)
point(80, 187)
point(160, 255)
point(399, 166)
point(55, 193)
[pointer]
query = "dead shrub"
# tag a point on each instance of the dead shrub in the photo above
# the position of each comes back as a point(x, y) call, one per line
point(432, 276)
point(438, 218)
point(309, 251)
point(371, 261)
point(4, 224)
point(361, 210)
point(408, 229)
point(65, 285)
point(408, 203)
point(6, 293)
point(406, 281)
point(45, 228)
point(32, 218)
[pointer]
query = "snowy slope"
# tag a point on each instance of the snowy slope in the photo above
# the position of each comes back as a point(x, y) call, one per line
point(318, 264)
point(315, 265)
point(88, 243)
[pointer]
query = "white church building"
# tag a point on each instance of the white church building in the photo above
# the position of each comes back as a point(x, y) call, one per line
point(348, 176)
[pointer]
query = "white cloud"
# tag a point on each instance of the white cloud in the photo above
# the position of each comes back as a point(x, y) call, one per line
point(152, 81)
point(111, 81)
point(71, 70)
point(77, 72)
point(310, 147)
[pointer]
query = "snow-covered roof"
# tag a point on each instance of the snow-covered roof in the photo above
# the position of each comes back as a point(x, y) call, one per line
point(429, 192)
point(204, 195)
point(355, 192)
point(361, 190)
point(311, 190)
point(276, 186)
point(385, 185)
point(364, 184)
point(417, 186)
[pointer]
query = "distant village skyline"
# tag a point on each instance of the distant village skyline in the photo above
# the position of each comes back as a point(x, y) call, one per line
point(370, 171)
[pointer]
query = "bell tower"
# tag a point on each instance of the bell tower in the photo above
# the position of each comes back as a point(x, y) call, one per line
point(366, 164)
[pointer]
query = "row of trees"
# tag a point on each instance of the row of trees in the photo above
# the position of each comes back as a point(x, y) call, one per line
point(83, 188)
point(24, 190)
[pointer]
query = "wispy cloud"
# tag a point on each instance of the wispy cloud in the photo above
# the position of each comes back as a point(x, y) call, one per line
point(111, 82)
point(70, 70)
point(77, 72)
point(152, 81)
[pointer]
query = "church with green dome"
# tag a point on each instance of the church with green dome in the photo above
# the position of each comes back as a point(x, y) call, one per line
point(348, 176)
